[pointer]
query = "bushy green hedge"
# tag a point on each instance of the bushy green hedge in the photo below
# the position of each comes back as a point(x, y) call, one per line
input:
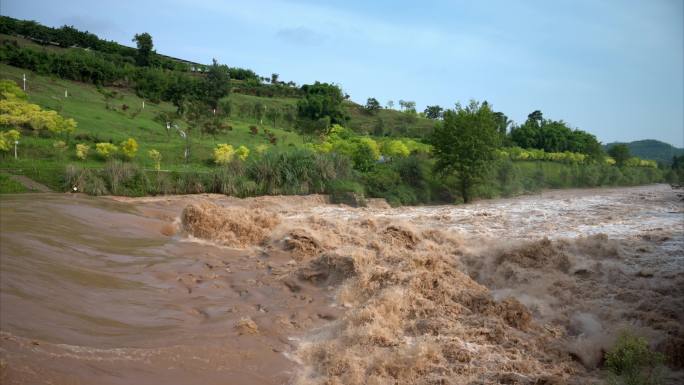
point(273, 173)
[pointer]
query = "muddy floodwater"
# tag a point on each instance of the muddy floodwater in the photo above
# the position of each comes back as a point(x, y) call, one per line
point(208, 289)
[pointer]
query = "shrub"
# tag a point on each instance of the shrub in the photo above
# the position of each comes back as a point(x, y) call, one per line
point(105, 150)
point(632, 362)
point(82, 151)
point(395, 149)
point(365, 153)
point(79, 179)
point(60, 146)
point(10, 90)
point(261, 149)
point(129, 148)
point(8, 138)
point(9, 185)
point(347, 192)
point(298, 171)
point(156, 158)
point(123, 178)
point(19, 113)
point(242, 153)
point(223, 154)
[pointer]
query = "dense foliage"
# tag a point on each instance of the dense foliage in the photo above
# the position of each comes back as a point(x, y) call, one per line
point(321, 102)
point(17, 112)
point(632, 362)
point(554, 136)
point(620, 153)
point(651, 149)
point(104, 62)
point(464, 144)
point(470, 152)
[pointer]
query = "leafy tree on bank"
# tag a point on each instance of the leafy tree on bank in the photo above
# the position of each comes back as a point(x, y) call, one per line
point(372, 105)
point(216, 83)
point(145, 48)
point(322, 103)
point(621, 154)
point(179, 90)
point(464, 144)
point(433, 112)
point(502, 123)
point(552, 136)
point(676, 174)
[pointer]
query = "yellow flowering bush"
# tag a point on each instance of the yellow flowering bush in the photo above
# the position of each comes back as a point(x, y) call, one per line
point(156, 158)
point(129, 148)
point(82, 151)
point(106, 150)
point(7, 139)
point(223, 153)
point(261, 148)
point(10, 90)
point(242, 153)
point(19, 113)
point(395, 149)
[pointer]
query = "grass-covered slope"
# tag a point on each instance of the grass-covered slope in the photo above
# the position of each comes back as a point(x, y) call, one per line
point(103, 120)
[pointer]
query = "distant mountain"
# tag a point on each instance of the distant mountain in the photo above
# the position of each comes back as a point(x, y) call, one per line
point(651, 149)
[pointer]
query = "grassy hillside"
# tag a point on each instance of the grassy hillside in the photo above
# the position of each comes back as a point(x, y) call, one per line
point(98, 123)
point(651, 149)
point(104, 119)
point(344, 164)
point(392, 122)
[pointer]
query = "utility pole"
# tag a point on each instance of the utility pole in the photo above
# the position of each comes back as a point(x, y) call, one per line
point(24, 82)
point(15, 148)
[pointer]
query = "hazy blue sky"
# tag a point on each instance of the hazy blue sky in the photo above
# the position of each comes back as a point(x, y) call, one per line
point(614, 68)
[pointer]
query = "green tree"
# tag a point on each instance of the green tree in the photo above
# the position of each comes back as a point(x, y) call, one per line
point(273, 114)
point(216, 83)
point(321, 101)
point(180, 88)
point(550, 136)
point(535, 116)
point(502, 122)
point(372, 105)
point(433, 112)
point(259, 109)
point(145, 48)
point(464, 144)
point(621, 154)
point(407, 105)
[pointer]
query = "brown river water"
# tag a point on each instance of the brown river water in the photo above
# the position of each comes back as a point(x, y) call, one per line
point(208, 289)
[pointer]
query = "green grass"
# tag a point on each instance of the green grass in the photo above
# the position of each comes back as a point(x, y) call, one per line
point(88, 107)
point(103, 120)
point(395, 122)
point(10, 186)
